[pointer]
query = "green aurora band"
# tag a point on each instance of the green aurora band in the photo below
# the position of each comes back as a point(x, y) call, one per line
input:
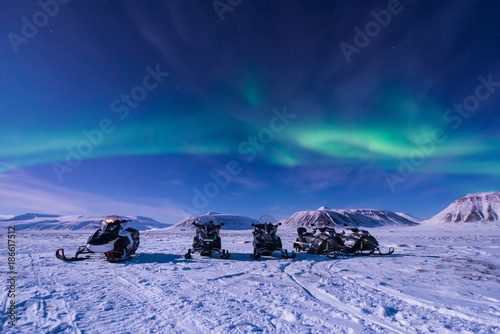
point(390, 128)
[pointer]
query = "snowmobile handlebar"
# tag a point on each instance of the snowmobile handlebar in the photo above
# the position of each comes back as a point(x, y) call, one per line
point(197, 225)
point(262, 224)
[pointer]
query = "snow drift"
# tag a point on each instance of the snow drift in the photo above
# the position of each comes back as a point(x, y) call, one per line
point(473, 208)
point(354, 217)
point(440, 282)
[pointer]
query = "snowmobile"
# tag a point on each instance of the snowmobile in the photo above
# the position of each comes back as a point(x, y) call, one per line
point(328, 242)
point(361, 242)
point(207, 239)
point(265, 240)
point(117, 243)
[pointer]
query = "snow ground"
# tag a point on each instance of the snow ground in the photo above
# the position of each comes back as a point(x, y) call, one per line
point(438, 281)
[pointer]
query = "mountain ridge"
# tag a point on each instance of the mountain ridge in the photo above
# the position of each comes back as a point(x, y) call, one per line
point(38, 221)
point(230, 221)
point(472, 208)
point(347, 217)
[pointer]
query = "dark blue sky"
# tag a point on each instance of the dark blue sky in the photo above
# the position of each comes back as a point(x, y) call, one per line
point(160, 108)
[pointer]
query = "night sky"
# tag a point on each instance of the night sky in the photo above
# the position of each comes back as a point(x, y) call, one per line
point(170, 108)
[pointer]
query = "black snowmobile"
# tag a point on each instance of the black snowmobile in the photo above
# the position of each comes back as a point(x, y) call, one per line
point(361, 242)
point(207, 239)
point(265, 240)
point(328, 242)
point(117, 243)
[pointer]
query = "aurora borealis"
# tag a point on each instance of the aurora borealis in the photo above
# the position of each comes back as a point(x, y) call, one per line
point(161, 107)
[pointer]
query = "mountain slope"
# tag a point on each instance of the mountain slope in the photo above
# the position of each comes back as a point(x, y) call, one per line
point(340, 218)
point(409, 217)
point(477, 207)
point(36, 221)
point(30, 216)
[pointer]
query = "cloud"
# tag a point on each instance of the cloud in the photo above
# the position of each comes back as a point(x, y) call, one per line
point(249, 183)
point(21, 193)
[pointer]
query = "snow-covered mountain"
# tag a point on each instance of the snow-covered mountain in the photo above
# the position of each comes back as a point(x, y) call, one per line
point(409, 217)
point(37, 221)
point(29, 216)
point(477, 207)
point(353, 217)
point(230, 221)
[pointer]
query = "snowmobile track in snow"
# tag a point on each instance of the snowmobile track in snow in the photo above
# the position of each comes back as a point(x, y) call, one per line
point(335, 303)
point(448, 284)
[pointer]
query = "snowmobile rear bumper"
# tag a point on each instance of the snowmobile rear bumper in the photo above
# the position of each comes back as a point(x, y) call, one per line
point(60, 255)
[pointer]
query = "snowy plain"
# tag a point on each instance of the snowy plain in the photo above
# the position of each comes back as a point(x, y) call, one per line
point(440, 279)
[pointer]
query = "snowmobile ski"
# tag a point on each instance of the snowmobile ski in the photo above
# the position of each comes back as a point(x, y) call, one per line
point(60, 255)
point(379, 252)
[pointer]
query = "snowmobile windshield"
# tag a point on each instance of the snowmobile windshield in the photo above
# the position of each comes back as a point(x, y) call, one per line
point(207, 226)
point(112, 223)
point(105, 226)
point(268, 225)
point(328, 230)
point(267, 219)
point(208, 221)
